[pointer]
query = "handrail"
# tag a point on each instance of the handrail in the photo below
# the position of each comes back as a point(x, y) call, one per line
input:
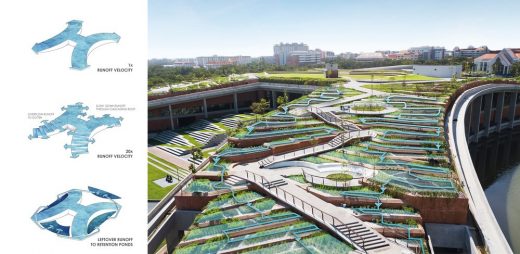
point(159, 212)
point(168, 196)
point(167, 201)
point(342, 184)
point(315, 212)
point(332, 118)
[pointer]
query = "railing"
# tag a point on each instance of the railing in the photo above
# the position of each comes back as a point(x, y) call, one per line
point(332, 118)
point(319, 180)
point(403, 240)
point(311, 210)
point(335, 142)
point(159, 212)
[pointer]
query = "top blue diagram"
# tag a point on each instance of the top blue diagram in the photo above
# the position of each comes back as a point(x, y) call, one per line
point(82, 46)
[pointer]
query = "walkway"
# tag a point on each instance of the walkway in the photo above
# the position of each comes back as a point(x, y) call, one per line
point(329, 117)
point(335, 217)
point(335, 143)
point(168, 157)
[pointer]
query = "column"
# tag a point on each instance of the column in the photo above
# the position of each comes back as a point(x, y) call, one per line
point(487, 112)
point(171, 116)
point(475, 117)
point(205, 108)
point(498, 110)
point(273, 97)
point(235, 102)
point(512, 109)
point(467, 122)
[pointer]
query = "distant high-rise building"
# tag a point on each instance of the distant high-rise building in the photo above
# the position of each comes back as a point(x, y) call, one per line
point(325, 55)
point(296, 58)
point(429, 52)
point(348, 55)
point(470, 51)
point(182, 62)
point(370, 57)
point(218, 61)
point(403, 55)
point(282, 50)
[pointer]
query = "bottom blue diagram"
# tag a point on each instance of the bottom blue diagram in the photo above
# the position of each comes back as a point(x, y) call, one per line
point(77, 214)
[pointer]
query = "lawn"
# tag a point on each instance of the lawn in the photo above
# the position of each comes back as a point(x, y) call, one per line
point(390, 77)
point(162, 160)
point(427, 89)
point(295, 75)
point(339, 177)
point(156, 192)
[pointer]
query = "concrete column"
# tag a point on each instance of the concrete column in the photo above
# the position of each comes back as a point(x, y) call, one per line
point(487, 113)
point(171, 116)
point(273, 97)
point(475, 117)
point(512, 109)
point(498, 110)
point(205, 108)
point(467, 121)
point(235, 102)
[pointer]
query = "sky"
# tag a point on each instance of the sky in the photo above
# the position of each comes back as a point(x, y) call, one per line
point(191, 28)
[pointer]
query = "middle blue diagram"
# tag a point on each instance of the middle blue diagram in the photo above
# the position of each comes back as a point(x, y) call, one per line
point(81, 127)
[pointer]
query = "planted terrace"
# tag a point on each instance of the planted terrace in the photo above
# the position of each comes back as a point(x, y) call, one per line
point(247, 222)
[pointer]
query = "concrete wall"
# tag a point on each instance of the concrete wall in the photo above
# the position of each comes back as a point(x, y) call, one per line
point(438, 71)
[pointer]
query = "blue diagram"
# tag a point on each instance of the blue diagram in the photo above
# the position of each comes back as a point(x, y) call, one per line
point(86, 219)
point(81, 127)
point(83, 44)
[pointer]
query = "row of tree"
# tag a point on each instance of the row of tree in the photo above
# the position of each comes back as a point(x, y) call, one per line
point(160, 75)
point(344, 63)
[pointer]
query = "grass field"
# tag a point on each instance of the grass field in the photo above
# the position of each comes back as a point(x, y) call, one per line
point(390, 78)
point(156, 192)
point(294, 75)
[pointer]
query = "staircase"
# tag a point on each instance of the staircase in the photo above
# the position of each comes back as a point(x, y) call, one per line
point(202, 137)
point(235, 181)
point(173, 150)
point(336, 142)
point(333, 119)
point(274, 184)
point(362, 236)
point(172, 138)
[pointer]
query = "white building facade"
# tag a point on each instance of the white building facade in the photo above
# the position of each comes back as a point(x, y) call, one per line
point(438, 71)
point(503, 59)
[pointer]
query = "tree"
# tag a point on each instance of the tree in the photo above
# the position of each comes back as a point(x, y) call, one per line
point(453, 81)
point(196, 153)
point(260, 107)
point(515, 69)
point(193, 169)
point(282, 100)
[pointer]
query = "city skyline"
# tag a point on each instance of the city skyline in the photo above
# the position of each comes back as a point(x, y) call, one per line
point(233, 28)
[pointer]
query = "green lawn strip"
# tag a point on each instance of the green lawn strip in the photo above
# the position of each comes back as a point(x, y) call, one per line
point(163, 161)
point(396, 78)
point(156, 192)
point(297, 178)
point(191, 139)
point(206, 153)
point(339, 177)
point(220, 125)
